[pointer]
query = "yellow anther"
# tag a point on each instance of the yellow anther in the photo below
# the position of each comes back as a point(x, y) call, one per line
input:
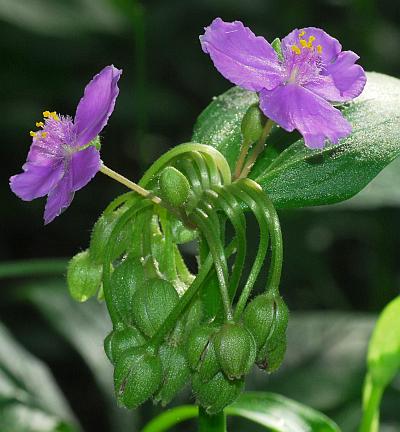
point(46, 114)
point(319, 49)
point(296, 49)
point(303, 43)
point(301, 34)
point(39, 124)
point(54, 116)
point(32, 134)
point(44, 134)
point(311, 39)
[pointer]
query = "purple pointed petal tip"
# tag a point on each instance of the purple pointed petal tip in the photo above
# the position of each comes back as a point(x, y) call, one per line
point(294, 107)
point(96, 105)
point(243, 58)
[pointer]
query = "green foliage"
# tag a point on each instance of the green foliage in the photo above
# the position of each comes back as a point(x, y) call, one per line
point(297, 176)
point(384, 347)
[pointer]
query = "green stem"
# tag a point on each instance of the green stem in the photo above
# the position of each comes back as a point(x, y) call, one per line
point(184, 301)
point(262, 246)
point(257, 149)
point(256, 192)
point(243, 153)
point(208, 229)
point(214, 423)
point(370, 420)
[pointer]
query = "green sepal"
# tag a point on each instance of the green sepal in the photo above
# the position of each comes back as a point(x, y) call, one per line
point(236, 350)
point(152, 303)
point(126, 278)
point(176, 373)
point(276, 45)
point(209, 365)
point(96, 143)
point(137, 376)
point(217, 393)
point(83, 276)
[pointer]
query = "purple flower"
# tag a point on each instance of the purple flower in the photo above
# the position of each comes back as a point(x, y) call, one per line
point(60, 160)
point(295, 88)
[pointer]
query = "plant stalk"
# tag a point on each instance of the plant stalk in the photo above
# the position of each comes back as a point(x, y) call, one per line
point(214, 423)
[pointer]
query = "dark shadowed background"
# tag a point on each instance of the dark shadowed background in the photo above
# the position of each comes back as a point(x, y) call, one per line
point(341, 263)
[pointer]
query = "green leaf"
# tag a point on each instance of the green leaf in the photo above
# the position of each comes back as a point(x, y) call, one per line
point(280, 413)
point(298, 176)
point(267, 409)
point(384, 347)
point(29, 397)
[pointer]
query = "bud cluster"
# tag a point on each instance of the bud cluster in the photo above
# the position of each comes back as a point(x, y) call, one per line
point(162, 337)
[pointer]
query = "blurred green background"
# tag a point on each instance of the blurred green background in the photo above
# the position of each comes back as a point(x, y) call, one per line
point(341, 262)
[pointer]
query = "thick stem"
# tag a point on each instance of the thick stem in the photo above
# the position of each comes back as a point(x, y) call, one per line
point(214, 423)
point(257, 149)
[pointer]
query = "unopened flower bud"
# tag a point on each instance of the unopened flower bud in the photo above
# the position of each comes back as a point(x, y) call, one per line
point(182, 234)
point(197, 343)
point(236, 350)
point(152, 302)
point(217, 393)
point(176, 373)
point(137, 376)
point(252, 124)
point(174, 186)
point(267, 319)
point(125, 280)
point(99, 241)
point(121, 340)
point(83, 276)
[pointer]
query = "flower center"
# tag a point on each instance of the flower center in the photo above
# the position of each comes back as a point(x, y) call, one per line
point(304, 44)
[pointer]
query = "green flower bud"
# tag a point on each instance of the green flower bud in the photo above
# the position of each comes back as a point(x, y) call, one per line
point(216, 394)
point(193, 316)
point(174, 186)
point(125, 280)
point(152, 303)
point(121, 340)
point(209, 365)
point(176, 373)
point(267, 318)
point(253, 124)
point(236, 350)
point(181, 234)
point(83, 276)
point(258, 317)
point(99, 241)
point(137, 376)
point(197, 343)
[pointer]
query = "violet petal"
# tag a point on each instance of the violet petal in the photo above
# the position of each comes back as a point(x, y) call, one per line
point(36, 180)
point(246, 60)
point(96, 105)
point(59, 198)
point(84, 166)
point(294, 107)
